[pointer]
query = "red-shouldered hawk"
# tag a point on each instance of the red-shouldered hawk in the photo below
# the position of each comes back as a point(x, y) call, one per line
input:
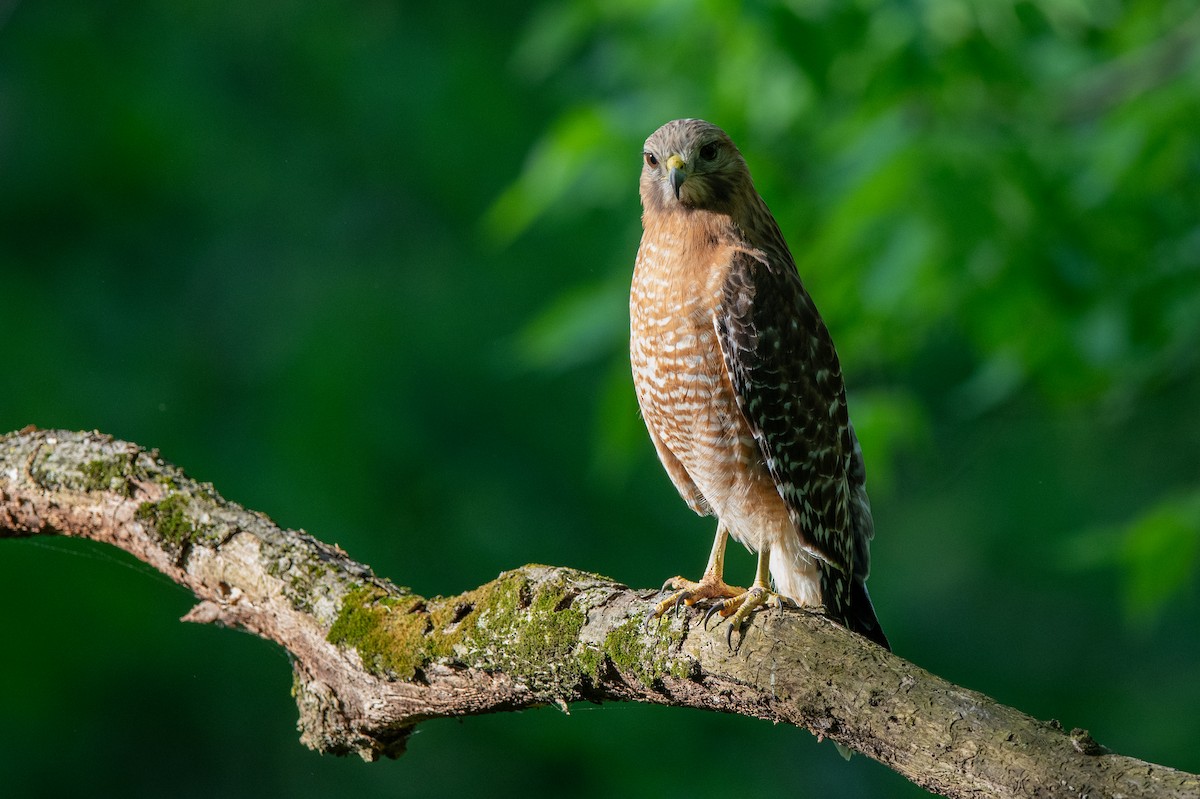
point(741, 388)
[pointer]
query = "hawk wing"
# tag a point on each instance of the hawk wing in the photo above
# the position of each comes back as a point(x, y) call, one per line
point(788, 384)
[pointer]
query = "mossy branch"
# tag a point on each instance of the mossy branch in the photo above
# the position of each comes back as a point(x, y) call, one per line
point(371, 659)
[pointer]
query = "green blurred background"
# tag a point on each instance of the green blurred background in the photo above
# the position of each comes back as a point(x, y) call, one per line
point(364, 267)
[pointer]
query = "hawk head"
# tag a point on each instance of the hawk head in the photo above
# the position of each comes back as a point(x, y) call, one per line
point(692, 164)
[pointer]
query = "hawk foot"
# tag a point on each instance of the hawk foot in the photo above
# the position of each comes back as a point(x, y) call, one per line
point(737, 609)
point(688, 592)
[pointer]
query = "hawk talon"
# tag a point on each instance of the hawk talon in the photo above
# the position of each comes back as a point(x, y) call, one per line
point(741, 607)
point(650, 619)
point(738, 609)
point(716, 608)
point(688, 593)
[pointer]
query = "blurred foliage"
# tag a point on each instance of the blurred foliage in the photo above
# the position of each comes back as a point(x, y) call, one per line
point(1014, 176)
point(1157, 554)
point(364, 268)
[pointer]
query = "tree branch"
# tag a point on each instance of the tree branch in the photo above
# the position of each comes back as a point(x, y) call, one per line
point(371, 659)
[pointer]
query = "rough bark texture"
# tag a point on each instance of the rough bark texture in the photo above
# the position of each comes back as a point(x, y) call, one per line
point(371, 659)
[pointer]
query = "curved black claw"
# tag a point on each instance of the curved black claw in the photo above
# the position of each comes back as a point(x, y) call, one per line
point(729, 636)
point(716, 608)
point(675, 602)
point(657, 614)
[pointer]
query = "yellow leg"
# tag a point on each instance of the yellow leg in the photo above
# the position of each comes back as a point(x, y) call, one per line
point(711, 586)
point(716, 558)
point(738, 608)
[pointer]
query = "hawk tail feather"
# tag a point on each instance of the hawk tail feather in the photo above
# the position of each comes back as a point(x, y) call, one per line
point(809, 582)
point(861, 616)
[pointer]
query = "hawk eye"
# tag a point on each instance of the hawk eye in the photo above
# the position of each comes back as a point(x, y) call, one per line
point(651, 160)
point(709, 151)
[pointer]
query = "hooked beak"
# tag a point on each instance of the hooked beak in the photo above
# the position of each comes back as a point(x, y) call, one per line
point(676, 174)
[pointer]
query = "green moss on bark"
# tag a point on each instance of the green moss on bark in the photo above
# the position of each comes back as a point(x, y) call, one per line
point(512, 624)
point(169, 517)
point(105, 475)
point(386, 631)
point(648, 658)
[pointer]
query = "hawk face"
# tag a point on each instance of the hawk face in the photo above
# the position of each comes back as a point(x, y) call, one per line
point(690, 164)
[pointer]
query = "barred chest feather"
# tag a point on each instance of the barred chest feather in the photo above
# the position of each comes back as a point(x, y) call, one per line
point(687, 398)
